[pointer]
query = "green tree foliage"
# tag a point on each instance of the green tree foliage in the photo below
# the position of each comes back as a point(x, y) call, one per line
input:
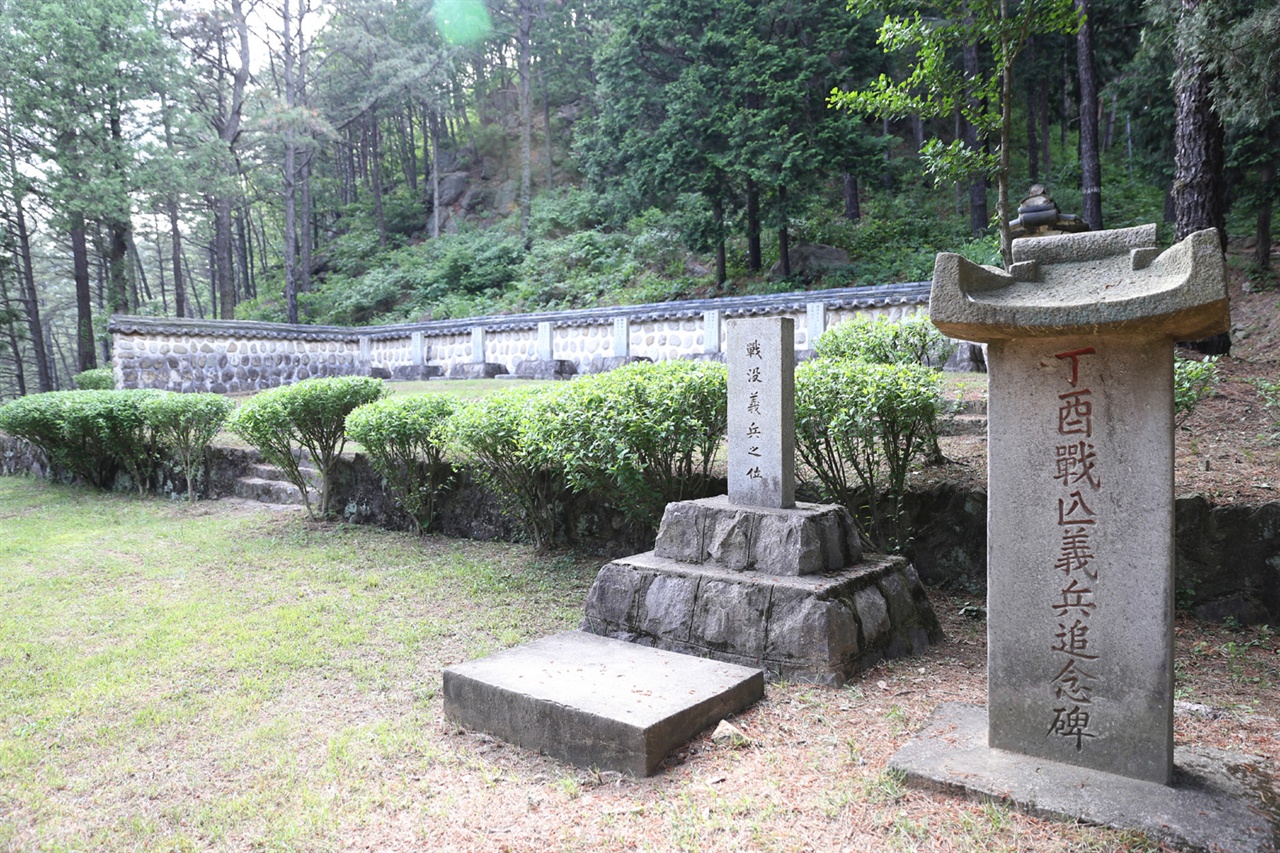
point(183, 425)
point(725, 99)
point(405, 440)
point(307, 416)
point(935, 87)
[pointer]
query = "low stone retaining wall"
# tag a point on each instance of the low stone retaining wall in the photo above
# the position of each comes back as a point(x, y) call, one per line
point(235, 356)
point(1227, 555)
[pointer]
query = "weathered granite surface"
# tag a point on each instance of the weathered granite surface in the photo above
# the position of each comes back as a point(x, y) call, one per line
point(1103, 282)
point(821, 628)
point(1218, 801)
point(596, 702)
point(802, 540)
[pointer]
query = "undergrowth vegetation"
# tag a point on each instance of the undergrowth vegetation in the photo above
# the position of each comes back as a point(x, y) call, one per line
point(581, 253)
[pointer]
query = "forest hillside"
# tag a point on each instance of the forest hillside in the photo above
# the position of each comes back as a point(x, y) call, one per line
point(369, 161)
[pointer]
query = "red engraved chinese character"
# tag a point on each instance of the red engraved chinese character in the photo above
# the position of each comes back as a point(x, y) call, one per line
point(1075, 415)
point(1075, 512)
point(1076, 553)
point(1074, 355)
point(1074, 462)
point(1073, 640)
point(1075, 596)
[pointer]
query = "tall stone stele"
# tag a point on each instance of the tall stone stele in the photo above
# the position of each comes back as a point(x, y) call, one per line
point(1080, 526)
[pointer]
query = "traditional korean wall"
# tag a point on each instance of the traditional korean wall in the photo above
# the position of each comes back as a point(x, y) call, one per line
point(234, 356)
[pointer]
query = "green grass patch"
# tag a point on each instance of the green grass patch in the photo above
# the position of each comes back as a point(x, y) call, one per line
point(150, 650)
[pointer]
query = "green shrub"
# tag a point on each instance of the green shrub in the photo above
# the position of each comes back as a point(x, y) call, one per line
point(911, 340)
point(859, 428)
point(494, 435)
point(404, 437)
point(183, 425)
point(97, 379)
point(309, 415)
point(91, 434)
point(38, 419)
point(1193, 381)
point(110, 424)
point(641, 436)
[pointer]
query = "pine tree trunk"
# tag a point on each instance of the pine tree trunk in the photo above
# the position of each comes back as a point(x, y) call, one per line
point(290, 178)
point(179, 283)
point(19, 370)
point(1262, 251)
point(523, 60)
point(852, 208)
point(1198, 186)
point(1090, 158)
point(86, 357)
point(753, 227)
point(27, 283)
point(784, 235)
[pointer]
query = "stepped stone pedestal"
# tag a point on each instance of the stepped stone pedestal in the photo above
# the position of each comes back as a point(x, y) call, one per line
point(785, 590)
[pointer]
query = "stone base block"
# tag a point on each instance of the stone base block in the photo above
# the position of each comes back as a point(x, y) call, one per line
point(603, 364)
point(1218, 800)
point(803, 540)
point(555, 368)
point(412, 372)
point(596, 702)
point(487, 370)
point(818, 628)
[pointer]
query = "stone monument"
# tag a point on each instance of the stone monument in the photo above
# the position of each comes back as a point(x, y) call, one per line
point(755, 578)
point(1079, 337)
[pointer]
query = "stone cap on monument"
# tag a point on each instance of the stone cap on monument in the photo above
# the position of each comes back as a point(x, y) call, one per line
point(1099, 282)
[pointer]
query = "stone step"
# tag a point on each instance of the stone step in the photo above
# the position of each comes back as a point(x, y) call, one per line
point(267, 471)
point(268, 491)
point(969, 407)
point(963, 425)
point(597, 702)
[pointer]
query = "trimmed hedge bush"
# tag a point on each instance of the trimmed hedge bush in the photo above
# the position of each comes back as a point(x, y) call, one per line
point(495, 434)
point(912, 340)
point(643, 435)
point(183, 425)
point(92, 434)
point(97, 379)
point(310, 415)
point(404, 437)
point(859, 428)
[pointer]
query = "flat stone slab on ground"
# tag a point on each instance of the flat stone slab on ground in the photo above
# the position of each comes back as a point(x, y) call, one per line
point(597, 702)
point(1218, 800)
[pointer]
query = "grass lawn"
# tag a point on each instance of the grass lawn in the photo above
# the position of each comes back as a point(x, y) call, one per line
point(225, 676)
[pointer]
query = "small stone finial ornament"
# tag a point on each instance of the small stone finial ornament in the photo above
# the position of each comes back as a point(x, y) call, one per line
point(1039, 216)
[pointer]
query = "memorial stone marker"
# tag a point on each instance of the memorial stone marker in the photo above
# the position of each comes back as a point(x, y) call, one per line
point(762, 421)
point(1080, 523)
point(754, 577)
